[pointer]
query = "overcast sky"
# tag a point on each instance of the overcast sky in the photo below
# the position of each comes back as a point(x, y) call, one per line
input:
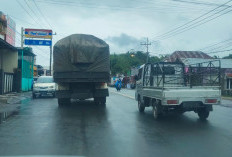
point(124, 24)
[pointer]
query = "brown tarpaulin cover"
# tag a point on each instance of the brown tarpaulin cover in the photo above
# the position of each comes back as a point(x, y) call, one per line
point(80, 52)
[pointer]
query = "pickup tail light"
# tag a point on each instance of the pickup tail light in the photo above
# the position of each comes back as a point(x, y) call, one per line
point(172, 101)
point(210, 101)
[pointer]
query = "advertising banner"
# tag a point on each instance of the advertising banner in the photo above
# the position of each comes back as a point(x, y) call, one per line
point(38, 42)
point(38, 33)
point(3, 25)
point(11, 29)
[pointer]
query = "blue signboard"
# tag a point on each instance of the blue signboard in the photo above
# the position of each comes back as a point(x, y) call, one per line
point(38, 42)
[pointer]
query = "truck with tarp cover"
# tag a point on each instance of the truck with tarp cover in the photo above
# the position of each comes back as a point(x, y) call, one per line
point(81, 68)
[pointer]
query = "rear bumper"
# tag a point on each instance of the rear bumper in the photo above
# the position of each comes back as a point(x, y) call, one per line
point(44, 92)
point(191, 96)
point(82, 94)
point(75, 76)
point(188, 107)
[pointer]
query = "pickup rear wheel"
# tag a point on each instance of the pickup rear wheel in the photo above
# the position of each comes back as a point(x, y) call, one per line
point(141, 107)
point(203, 114)
point(157, 113)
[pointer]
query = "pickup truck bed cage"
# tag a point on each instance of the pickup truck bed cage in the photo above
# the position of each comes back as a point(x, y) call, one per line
point(175, 87)
point(176, 74)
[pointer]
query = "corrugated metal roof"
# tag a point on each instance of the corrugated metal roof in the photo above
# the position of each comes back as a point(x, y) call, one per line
point(225, 63)
point(179, 55)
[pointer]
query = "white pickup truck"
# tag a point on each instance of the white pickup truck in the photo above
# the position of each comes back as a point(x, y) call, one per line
point(173, 87)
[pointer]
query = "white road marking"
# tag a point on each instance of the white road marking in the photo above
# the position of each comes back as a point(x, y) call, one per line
point(123, 95)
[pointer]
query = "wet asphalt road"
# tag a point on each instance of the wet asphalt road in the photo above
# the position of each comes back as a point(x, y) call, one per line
point(118, 129)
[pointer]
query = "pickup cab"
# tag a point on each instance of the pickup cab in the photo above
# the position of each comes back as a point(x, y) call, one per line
point(174, 87)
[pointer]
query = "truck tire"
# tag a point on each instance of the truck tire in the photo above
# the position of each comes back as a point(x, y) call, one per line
point(141, 107)
point(63, 101)
point(100, 100)
point(203, 114)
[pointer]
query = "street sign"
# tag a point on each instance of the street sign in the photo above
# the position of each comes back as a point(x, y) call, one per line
point(38, 42)
point(38, 33)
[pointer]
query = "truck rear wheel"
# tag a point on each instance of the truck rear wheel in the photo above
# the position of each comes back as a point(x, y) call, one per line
point(63, 101)
point(100, 100)
point(141, 107)
point(203, 114)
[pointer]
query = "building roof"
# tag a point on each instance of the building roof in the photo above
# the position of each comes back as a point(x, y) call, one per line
point(225, 63)
point(6, 45)
point(179, 55)
point(27, 51)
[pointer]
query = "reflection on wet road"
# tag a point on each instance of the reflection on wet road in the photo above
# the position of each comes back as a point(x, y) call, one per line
point(117, 129)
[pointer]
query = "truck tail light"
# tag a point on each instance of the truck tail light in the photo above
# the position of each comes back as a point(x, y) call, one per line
point(101, 85)
point(172, 101)
point(210, 101)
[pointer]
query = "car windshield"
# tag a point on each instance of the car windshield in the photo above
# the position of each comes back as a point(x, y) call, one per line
point(45, 80)
point(116, 78)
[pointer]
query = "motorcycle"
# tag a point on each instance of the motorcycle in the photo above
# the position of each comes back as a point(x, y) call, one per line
point(118, 87)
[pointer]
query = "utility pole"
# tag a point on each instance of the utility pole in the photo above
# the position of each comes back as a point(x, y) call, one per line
point(50, 67)
point(22, 38)
point(22, 31)
point(147, 44)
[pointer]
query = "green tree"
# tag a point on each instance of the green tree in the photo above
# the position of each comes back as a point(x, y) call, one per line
point(228, 57)
point(122, 63)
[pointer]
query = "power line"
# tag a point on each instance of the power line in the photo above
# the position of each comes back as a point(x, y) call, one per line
point(21, 20)
point(42, 13)
point(215, 44)
point(194, 25)
point(222, 46)
point(88, 5)
point(175, 30)
point(203, 22)
point(32, 10)
point(219, 51)
point(197, 3)
point(27, 12)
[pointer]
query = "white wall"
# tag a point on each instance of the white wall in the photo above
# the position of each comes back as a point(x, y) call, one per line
point(9, 60)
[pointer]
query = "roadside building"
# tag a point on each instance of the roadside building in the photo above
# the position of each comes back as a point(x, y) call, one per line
point(226, 71)
point(195, 57)
point(3, 26)
point(8, 65)
point(8, 54)
point(26, 64)
point(180, 55)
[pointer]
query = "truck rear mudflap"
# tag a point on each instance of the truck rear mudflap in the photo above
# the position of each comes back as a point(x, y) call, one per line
point(193, 96)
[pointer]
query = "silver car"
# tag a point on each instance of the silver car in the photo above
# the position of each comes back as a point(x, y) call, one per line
point(44, 86)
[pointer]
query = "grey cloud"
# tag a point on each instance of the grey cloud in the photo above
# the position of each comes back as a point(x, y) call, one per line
point(123, 40)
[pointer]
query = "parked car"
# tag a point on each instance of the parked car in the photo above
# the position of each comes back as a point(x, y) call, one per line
point(44, 86)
